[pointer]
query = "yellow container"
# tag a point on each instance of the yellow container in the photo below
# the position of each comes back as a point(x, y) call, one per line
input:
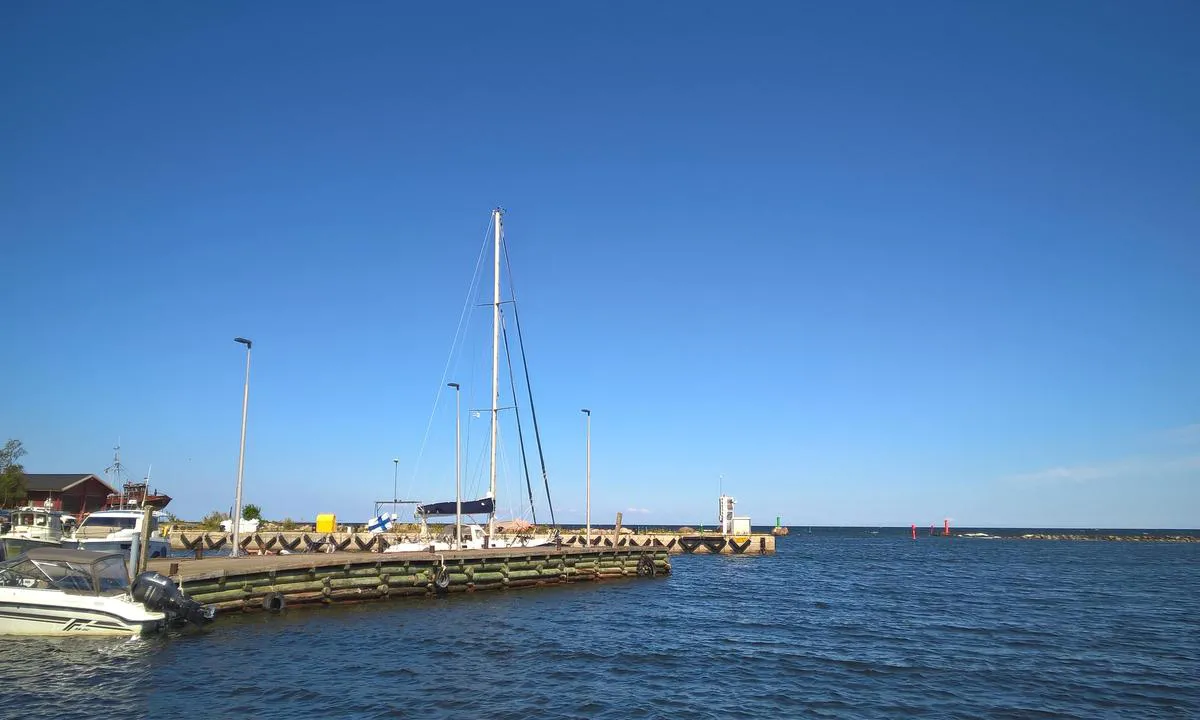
point(326, 523)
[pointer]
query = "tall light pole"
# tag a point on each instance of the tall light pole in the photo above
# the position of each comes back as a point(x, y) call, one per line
point(395, 481)
point(588, 512)
point(457, 466)
point(237, 501)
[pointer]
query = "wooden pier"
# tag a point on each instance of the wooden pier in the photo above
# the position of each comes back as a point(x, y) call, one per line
point(273, 582)
point(270, 542)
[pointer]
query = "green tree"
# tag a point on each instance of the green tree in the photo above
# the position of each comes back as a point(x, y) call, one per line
point(12, 473)
point(251, 512)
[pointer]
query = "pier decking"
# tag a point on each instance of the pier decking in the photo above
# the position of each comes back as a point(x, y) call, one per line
point(272, 582)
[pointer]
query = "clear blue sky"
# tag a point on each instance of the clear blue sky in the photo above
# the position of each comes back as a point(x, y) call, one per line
point(875, 263)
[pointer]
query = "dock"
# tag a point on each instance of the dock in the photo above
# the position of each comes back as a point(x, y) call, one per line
point(269, 542)
point(274, 582)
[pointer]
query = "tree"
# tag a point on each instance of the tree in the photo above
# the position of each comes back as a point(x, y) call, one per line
point(251, 512)
point(12, 473)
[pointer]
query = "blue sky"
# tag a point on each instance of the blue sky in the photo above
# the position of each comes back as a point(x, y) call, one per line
point(872, 263)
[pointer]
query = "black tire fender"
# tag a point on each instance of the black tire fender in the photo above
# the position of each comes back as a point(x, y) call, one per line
point(274, 602)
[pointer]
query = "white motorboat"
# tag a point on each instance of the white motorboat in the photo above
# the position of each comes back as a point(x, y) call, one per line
point(114, 530)
point(29, 527)
point(61, 591)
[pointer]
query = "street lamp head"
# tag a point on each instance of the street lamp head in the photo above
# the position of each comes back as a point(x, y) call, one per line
point(243, 341)
point(587, 412)
point(453, 385)
point(396, 460)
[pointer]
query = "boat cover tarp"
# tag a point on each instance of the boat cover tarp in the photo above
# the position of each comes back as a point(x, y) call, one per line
point(481, 506)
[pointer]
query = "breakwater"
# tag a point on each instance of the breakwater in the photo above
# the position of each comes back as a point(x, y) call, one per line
point(277, 542)
point(273, 582)
point(1111, 538)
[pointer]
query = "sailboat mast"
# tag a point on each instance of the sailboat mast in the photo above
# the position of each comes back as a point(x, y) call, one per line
point(496, 221)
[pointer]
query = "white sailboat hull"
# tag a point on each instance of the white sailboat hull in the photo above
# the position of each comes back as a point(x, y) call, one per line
point(473, 539)
point(503, 541)
point(33, 611)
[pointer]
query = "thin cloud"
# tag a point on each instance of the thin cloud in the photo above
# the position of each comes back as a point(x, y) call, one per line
point(1131, 468)
point(1185, 435)
point(640, 511)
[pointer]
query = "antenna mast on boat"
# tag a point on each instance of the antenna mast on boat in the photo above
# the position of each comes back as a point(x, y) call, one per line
point(115, 471)
point(496, 221)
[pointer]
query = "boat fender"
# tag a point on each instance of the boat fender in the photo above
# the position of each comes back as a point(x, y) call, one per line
point(441, 577)
point(273, 602)
point(645, 566)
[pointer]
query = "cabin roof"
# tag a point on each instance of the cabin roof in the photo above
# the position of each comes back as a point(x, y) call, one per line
point(59, 482)
point(116, 512)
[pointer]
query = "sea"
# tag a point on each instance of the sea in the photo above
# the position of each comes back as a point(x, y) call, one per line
point(839, 623)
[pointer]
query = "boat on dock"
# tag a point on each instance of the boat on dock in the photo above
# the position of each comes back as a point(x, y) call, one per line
point(478, 536)
point(474, 537)
point(133, 495)
point(61, 591)
point(136, 495)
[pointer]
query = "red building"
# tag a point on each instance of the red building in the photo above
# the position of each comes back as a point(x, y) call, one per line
point(77, 494)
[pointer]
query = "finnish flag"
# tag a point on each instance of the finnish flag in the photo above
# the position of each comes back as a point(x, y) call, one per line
point(383, 523)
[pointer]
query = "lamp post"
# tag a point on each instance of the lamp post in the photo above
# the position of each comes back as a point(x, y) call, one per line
point(237, 502)
point(457, 466)
point(588, 511)
point(395, 481)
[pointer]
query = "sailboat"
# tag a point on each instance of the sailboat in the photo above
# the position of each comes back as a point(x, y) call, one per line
point(474, 536)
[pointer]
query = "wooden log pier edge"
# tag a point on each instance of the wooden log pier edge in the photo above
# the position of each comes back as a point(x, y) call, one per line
point(301, 542)
point(274, 582)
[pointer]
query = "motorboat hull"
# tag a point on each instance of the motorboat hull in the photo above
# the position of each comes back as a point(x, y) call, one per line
point(51, 612)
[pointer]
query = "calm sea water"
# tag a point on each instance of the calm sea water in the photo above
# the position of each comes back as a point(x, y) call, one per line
point(834, 625)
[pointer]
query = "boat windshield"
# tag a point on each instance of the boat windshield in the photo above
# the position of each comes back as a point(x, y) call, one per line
point(58, 575)
point(36, 520)
point(108, 521)
point(112, 575)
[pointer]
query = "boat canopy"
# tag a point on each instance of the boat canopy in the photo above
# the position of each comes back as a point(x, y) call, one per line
point(79, 571)
point(481, 506)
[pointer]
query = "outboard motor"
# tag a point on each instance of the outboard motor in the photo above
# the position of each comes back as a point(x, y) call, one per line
point(157, 592)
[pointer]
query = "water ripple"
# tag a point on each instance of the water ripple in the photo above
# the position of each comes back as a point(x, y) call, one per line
point(829, 628)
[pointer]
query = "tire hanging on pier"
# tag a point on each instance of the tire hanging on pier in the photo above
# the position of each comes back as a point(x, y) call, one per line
point(273, 602)
point(645, 566)
point(441, 577)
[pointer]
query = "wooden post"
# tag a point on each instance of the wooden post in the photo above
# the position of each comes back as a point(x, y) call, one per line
point(144, 549)
point(617, 532)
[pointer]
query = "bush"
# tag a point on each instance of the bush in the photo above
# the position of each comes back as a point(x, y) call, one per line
point(212, 521)
point(288, 524)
